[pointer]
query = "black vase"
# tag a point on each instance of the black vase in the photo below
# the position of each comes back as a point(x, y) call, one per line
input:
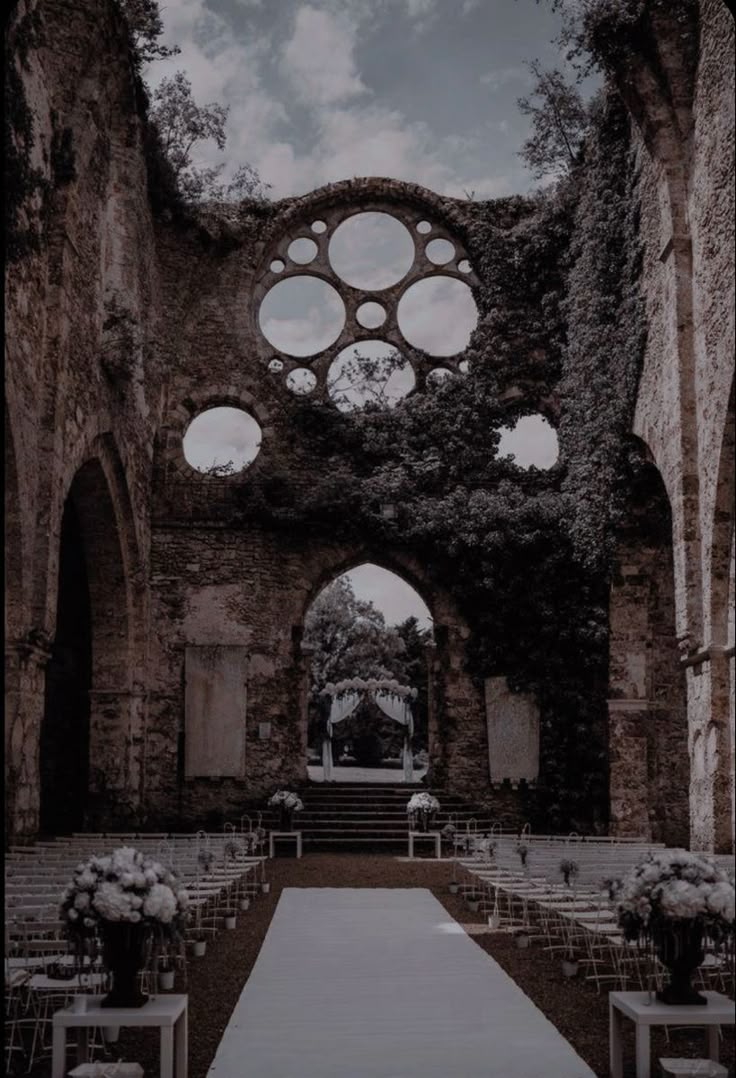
point(286, 818)
point(426, 819)
point(124, 952)
point(679, 947)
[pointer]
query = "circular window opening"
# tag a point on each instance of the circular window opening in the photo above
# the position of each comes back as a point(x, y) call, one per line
point(440, 252)
point(302, 250)
point(463, 265)
point(301, 316)
point(222, 441)
point(301, 381)
point(369, 372)
point(438, 315)
point(276, 365)
point(531, 442)
point(370, 315)
point(319, 227)
point(371, 251)
point(277, 266)
point(424, 227)
point(464, 366)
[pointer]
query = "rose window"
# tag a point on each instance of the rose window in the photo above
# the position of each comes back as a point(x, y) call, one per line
point(365, 306)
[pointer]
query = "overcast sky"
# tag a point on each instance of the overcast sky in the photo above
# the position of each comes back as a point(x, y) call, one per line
point(418, 90)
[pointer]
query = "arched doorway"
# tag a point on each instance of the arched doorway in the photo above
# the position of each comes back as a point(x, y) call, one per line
point(648, 732)
point(367, 634)
point(85, 732)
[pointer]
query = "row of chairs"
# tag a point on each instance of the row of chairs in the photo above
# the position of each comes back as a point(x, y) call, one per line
point(574, 917)
point(222, 873)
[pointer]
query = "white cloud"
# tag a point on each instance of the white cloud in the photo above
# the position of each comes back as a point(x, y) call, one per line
point(318, 58)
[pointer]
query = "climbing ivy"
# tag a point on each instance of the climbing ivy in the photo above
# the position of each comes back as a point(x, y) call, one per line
point(525, 554)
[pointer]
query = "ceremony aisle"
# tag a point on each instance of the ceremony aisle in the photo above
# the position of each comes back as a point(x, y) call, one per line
point(382, 983)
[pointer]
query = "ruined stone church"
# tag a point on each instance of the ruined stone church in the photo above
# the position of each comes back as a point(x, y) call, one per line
point(155, 667)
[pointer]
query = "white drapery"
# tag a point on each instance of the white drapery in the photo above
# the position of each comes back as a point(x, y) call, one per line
point(397, 708)
point(341, 708)
point(392, 704)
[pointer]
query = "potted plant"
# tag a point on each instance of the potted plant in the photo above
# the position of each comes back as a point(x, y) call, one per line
point(523, 938)
point(474, 899)
point(166, 974)
point(422, 807)
point(287, 803)
point(569, 963)
point(199, 946)
point(671, 900)
point(523, 851)
point(127, 900)
point(231, 920)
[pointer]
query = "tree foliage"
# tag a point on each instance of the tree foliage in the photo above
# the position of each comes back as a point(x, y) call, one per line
point(559, 122)
point(145, 27)
point(182, 125)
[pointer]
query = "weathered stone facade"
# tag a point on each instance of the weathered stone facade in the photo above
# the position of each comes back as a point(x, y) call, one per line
point(123, 327)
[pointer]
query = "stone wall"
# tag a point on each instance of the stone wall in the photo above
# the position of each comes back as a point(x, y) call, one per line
point(121, 329)
point(684, 410)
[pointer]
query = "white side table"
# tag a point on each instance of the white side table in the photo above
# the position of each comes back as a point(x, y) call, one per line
point(645, 1014)
point(436, 835)
point(285, 834)
point(167, 1012)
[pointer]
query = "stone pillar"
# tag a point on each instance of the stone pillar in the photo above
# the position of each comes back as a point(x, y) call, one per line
point(434, 754)
point(116, 756)
point(25, 673)
point(711, 750)
point(628, 768)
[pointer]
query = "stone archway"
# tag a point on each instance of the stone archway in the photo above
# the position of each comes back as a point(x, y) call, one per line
point(376, 627)
point(648, 735)
point(93, 714)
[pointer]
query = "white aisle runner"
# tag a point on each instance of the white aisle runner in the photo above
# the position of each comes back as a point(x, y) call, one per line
point(382, 983)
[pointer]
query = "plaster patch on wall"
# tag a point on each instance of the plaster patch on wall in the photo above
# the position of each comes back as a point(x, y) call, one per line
point(513, 733)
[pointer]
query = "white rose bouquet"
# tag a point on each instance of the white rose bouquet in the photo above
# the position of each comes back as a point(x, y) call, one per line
point(124, 886)
point(675, 886)
point(422, 802)
point(287, 800)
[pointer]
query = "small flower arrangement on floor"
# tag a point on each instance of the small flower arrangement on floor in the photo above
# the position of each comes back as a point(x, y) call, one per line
point(287, 800)
point(674, 885)
point(124, 886)
point(523, 851)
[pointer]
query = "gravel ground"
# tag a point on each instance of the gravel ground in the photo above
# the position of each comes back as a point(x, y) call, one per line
point(216, 981)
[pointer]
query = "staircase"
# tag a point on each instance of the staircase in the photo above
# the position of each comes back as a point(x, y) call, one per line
point(361, 818)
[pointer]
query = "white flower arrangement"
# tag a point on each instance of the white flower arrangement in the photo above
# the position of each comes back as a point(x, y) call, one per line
point(124, 886)
point(674, 885)
point(286, 799)
point(422, 802)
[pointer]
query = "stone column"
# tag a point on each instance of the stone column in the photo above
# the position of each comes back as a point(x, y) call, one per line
point(434, 754)
point(25, 673)
point(711, 751)
point(116, 755)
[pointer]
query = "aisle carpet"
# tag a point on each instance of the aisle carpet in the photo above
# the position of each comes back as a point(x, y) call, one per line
point(382, 983)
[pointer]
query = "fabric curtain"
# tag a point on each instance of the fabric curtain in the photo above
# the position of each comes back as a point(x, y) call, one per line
point(340, 708)
point(398, 708)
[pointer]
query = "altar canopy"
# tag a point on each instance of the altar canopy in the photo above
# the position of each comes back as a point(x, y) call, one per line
point(393, 700)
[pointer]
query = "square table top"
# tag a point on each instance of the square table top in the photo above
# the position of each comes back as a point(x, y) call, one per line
point(647, 1010)
point(158, 1011)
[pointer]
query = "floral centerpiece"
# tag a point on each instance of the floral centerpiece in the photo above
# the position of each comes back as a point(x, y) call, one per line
point(287, 804)
point(423, 806)
point(671, 900)
point(130, 901)
point(523, 851)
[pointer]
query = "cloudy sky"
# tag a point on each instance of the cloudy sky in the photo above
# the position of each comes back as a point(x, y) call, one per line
point(419, 90)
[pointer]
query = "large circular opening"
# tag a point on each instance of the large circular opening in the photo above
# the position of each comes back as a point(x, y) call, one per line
point(222, 441)
point(438, 315)
point(371, 251)
point(370, 372)
point(301, 316)
point(531, 442)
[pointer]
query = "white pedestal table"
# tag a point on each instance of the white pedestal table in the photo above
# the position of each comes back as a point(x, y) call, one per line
point(168, 1012)
point(645, 1012)
point(285, 834)
point(436, 835)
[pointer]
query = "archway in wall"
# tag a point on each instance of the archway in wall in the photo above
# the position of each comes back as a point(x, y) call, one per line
point(648, 733)
point(84, 744)
point(366, 629)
